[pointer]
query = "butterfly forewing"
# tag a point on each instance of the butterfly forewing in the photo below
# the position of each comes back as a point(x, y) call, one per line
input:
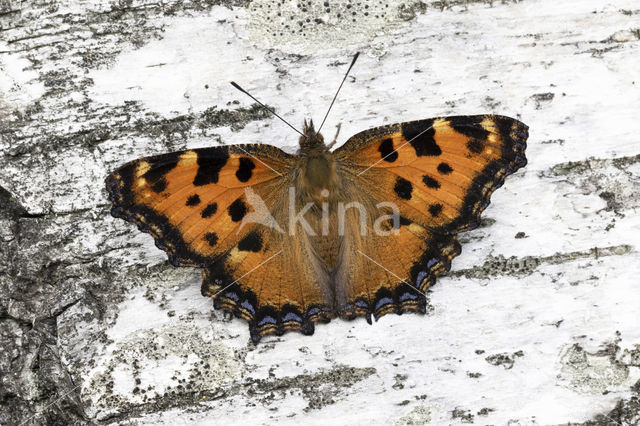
point(441, 171)
point(192, 202)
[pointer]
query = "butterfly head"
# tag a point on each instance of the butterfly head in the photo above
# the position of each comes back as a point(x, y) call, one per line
point(311, 139)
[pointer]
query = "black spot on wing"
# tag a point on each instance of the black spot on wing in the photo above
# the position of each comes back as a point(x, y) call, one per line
point(245, 170)
point(476, 146)
point(444, 168)
point(404, 221)
point(469, 125)
point(403, 188)
point(193, 200)
point(430, 182)
point(420, 135)
point(237, 210)
point(252, 242)
point(159, 185)
point(387, 153)
point(435, 209)
point(210, 162)
point(212, 238)
point(209, 211)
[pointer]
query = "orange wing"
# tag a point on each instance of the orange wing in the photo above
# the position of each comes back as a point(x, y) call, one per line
point(194, 204)
point(440, 173)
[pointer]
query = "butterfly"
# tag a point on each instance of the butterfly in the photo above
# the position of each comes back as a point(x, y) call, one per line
point(285, 241)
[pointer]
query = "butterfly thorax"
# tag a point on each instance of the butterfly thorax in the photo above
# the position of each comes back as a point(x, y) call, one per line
point(318, 180)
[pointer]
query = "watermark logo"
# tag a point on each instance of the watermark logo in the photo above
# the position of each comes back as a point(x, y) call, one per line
point(384, 220)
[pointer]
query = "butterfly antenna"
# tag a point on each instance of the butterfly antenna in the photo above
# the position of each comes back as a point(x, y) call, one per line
point(338, 91)
point(234, 84)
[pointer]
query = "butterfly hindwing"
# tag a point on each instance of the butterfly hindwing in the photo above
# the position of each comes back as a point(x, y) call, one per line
point(272, 280)
point(391, 268)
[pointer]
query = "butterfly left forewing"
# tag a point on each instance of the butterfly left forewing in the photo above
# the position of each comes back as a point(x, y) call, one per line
point(192, 202)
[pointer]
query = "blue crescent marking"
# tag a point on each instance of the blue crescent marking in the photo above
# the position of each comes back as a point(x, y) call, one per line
point(421, 276)
point(266, 320)
point(291, 316)
point(383, 301)
point(406, 296)
point(361, 304)
point(248, 306)
point(232, 295)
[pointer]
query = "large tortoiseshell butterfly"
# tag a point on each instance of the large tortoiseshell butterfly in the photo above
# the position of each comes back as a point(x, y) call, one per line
point(285, 241)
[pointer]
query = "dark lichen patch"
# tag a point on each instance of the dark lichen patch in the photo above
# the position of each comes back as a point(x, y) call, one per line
point(588, 372)
point(499, 265)
point(631, 356)
point(612, 179)
point(613, 204)
point(626, 412)
point(542, 99)
point(315, 23)
point(399, 380)
point(485, 411)
point(237, 119)
point(319, 389)
point(553, 141)
point(215, 364)
point(505, 360)
point(419, 415)
point(464, 416)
